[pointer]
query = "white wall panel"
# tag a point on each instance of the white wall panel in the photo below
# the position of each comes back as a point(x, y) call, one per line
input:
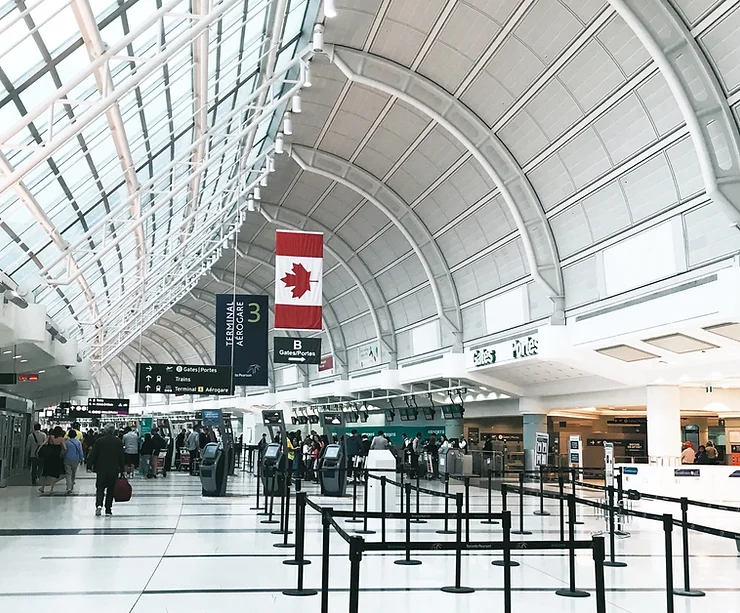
point(425, 338)
point(649, 188)
point(591, 75)
point(551, 182)
point(607, 212)
point(571, 231)
point(693, 10)
point(536, 30)
point(625, 129)
point(507, 310)
point(721, 44)
point(621, 42)
point(641, 259)
point(554, 109)
point(581, 282)
point(660, 104)
point(709, 235)
point(686, 170)
point(523, 137)
point(584, 158)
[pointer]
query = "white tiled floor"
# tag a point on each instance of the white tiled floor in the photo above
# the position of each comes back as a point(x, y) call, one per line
point(171, 550)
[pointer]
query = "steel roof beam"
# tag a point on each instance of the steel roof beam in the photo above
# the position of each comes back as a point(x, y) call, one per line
point(403, 217)
point(115, 378)
point(96, 48)
point(698, 95)
point(495, 159)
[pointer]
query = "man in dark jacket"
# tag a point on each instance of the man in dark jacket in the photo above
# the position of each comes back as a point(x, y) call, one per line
point(108, 461)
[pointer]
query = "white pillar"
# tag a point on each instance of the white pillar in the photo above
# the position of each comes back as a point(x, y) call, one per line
point(534, 420)
point(664, 424)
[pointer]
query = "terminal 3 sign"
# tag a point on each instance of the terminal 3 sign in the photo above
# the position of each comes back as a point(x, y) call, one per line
point(505, 352)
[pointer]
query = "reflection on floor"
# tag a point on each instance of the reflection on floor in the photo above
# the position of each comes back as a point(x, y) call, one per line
point(169, 549)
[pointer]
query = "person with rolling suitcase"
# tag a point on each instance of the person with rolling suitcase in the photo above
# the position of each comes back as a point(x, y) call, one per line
point(108, 461)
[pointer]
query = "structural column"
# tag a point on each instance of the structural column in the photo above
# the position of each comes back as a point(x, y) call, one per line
point(454, 428)
point(664, 424)
point(534, 420)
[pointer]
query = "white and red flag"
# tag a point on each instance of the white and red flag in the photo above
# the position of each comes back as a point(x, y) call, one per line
point(299, 266)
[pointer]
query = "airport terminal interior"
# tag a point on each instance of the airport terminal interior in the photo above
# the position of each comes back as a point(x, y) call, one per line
point(363, 305)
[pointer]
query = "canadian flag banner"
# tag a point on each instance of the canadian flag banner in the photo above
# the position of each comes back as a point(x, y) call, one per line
point(299, 266)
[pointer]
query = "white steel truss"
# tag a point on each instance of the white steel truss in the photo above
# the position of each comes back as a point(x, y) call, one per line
point(495, 159)
point(698, 94)
point(403, 217)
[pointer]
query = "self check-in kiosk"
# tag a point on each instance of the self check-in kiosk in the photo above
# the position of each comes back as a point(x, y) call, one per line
point(274, 460)
point(213, 470)
point(333, 462)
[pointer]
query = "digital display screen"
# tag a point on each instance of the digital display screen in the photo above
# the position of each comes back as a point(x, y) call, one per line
point(210, 452)
point(332, 452)
point(272, 451)
point(574, 445)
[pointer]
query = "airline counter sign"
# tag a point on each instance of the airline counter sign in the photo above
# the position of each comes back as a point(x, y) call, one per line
point(502, 353)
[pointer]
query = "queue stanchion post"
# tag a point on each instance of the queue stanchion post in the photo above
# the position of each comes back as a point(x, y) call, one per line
point(286, 525)
point(467, 509)
point(300, 561)
point(416, 520)
point(325, 557)
point(573, 479)
point(458, 588)
point(504, 510)
point(571, 591)
point(383, 485)
point(561, 491)
point(490, 519)
point(300, 535)
point(446, 529)
point(507, 561)
point(598, 555)
point(270, 519)
point(256, 506)
point(365, 497)
point(407, 561)
point(284, 497)
point(521, 529)
point(686, 591)
point(355, 557)
point(541, 510)
point(612, 562)
point(668, 533)
point(354, 519)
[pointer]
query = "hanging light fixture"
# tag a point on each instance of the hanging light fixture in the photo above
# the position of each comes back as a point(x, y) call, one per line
point(257, 193)
point(288, 124)
point(250, 204)
point(279, 143)
point(270, 164)
point(297, 104)
point(318, 38)
point(263, 179)
point(330, 9)
point(306, 70)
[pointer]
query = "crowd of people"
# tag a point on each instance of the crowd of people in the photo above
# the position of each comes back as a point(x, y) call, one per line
point(707, 454)
point(304, 452)
point(54, 453)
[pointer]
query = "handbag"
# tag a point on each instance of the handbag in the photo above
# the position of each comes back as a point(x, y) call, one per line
point(123, 490)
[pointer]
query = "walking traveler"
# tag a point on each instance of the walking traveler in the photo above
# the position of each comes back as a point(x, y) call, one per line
point(107, 460)
point(379, 442)
point(52, 456)
point(193, 447)
point(145, 456)
point(73, 457)
point(131, 450)
point(36, 440)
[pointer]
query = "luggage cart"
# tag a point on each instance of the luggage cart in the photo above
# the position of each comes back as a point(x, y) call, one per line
point(184, 460)
point(159, 469)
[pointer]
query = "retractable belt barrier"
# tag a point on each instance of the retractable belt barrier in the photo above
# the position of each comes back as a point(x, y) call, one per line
point(331, 520)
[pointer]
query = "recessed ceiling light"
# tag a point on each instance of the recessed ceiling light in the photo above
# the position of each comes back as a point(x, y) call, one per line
point(7, 352)
point(17, 357)
point(625, 353)
point(41, 371)
point(679, 343)
point(22, 361)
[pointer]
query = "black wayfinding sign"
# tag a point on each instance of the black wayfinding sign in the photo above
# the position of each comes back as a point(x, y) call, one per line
point(119, 406)
point(241, 333)
point(297, 350)
point(184, 379)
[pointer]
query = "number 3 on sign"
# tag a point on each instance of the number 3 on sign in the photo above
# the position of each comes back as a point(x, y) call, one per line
point(254, 313)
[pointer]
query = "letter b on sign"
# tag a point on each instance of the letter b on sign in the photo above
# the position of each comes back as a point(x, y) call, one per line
point(297, 345)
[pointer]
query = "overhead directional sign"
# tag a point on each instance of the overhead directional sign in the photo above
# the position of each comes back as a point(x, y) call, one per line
point(297, 350)
point(119, 406)
point(196, 379)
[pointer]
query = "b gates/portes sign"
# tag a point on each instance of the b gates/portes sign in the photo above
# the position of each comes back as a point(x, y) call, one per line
point(297, 350)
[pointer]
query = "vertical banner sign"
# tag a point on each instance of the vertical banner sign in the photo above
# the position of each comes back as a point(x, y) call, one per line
point(543, 446)
point(299, 266)
point(241, 326)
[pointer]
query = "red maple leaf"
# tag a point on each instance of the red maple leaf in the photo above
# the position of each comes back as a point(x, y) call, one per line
point(299, 280)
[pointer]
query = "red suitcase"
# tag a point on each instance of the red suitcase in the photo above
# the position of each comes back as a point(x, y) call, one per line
point(122, 491)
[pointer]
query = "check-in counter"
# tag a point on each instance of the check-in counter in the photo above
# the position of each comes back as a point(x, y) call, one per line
point(711, 483)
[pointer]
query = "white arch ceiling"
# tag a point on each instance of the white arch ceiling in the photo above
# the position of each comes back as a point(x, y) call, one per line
point(450, 150)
